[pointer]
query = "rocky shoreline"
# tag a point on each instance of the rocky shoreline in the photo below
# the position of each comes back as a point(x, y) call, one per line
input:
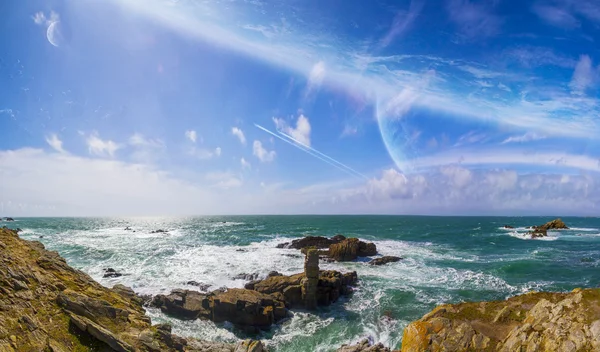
point(45, 305)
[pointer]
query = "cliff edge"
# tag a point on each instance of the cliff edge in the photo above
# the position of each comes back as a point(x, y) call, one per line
point(536, 321)
point(45, 305)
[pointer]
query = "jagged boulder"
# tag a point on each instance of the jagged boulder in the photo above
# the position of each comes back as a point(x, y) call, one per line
point(363, 346)
point(531, 322)
point(385, 260)
point(45, 305)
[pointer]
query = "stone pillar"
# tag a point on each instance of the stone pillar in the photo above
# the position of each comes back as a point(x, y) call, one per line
point(311, 278)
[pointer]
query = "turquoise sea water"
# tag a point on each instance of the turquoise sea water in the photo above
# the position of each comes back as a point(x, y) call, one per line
point(446, 260)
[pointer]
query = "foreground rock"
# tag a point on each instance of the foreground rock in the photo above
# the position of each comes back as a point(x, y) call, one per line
point(363, 346)
point(45, 305)
point(531, 322)
point(246, 308)
point(542, 230)
point(385, 260)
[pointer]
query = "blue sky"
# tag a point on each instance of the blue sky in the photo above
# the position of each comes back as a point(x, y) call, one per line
point(165, 107)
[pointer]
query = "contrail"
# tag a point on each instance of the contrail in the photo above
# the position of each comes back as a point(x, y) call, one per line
point(317, 154)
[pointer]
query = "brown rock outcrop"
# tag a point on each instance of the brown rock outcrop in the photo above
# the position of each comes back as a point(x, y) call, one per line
point(246, 308)
point(312, 241)
point(531, 322)
point(350, 249)
point(45, 305)
point(542, 230)
point(310, 281)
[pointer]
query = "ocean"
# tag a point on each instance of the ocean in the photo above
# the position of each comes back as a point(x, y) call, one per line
point(446, 260)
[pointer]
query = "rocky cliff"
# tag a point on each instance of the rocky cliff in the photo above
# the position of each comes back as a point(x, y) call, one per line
point(45, 305)
point(537, 321)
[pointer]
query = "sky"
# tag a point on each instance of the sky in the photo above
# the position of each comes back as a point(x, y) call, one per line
point(198, 107)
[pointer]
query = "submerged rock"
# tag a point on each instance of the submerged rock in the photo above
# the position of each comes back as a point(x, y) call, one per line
point(531, 322)
point(159, 231)
point(384, 260)
point(110, 272)
point(48, 306)
point(363, 346)
point(244, 276)
point(508, 227)
point(201, 286)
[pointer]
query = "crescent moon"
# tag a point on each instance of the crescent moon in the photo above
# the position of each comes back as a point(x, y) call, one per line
point(51, 34)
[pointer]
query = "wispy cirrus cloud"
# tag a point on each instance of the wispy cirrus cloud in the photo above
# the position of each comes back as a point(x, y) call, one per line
point(380, 78)
point(402, 22)
point(585, 76)
point(474, 18)
point(556, 16)
point(527, 137)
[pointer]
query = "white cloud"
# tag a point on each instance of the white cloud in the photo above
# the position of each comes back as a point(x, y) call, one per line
point(55, 143)
point(300, 133)
point(245, 164)
point(146, 149)
point(224, 180)
point(191, 135)
point(584, 77)
point(100, 147)
point(40, 18)
point(261, 153)
point(38, 183)
point(527, 137)
point(239, 134)
point(315, 78)
point(204, 154)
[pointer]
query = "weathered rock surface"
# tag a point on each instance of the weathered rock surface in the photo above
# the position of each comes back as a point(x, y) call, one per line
point(384, 260)
point(363, 346)
point(9, 219)
point(247, 308)
point(350, 249)
point(542, 230)
point(45, 305)
point(531, 322)
point(309, 289)
point(318, 242)
point(262, 302)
